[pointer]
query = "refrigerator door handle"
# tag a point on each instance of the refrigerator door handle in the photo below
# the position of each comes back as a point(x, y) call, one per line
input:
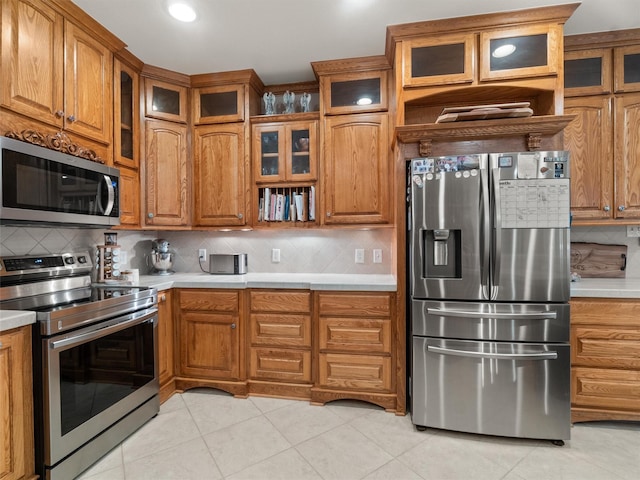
point(497, 356)
point(486, 250)
point(497, 225)
point(476, 314)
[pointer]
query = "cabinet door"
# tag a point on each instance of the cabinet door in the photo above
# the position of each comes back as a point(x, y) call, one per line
point(355, 92)
point(16, 404)
point(219, 175)
point(589, 139)
point(268, 152)
point(627, 156)
point(32, 60)
point(129, 197)
point(301, 145)
point(166, 174)
point(587, 72)
point(209, 344)
point(520, 52)
point(219, 104)
point(356, 164)
point(627, 69)
point(88, 95)
point(126, 115)
point(165, 336)
point(165, 101)
point(447, 59)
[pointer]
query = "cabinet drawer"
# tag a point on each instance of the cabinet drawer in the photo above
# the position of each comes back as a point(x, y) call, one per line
point(362, 335)
point(280, 364)
point(614, 389)
point(360, 372)
point(278, 301)
point(600, 311)
point(281, 330)
point(210, 301)
point(616, 347)
point(376, 305)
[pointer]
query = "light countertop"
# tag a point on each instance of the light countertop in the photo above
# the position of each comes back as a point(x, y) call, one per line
point(304, 281)
point(606, 287)
point(13, 319)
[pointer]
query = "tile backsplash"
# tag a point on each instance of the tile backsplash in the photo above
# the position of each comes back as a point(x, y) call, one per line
point(306, 251)
point(309, 250)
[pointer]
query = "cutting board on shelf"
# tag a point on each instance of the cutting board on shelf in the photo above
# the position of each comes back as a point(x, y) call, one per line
point(597, 260)
point(485, 112)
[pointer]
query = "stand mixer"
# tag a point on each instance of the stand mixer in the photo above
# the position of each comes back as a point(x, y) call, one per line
point(160, 258)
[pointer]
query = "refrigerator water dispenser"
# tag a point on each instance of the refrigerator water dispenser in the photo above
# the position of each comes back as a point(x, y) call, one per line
point(442, 255)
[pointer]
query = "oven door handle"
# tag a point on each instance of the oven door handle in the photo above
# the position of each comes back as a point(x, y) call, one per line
point(476, 314)
point(498, 356)
point(131, 320)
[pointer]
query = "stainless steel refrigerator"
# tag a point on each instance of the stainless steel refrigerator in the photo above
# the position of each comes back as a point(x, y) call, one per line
point(489, 283)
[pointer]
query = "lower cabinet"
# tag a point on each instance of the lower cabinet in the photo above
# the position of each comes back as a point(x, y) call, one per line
point(210, 340)
point(355, 352)
point(166, 332)
point(280, 343)
point(605, 359)
point(16, 405)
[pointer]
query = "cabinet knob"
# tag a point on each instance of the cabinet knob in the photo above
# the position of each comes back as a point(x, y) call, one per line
point(239, 215)
point(233, 326)
point(59, 114)
point(163, 298)
point(71, 118)
point(328, 214)
point(606, 208)
point(621, 208)
point(150, 215)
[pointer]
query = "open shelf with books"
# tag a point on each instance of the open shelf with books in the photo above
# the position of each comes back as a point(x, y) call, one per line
point(290, 205)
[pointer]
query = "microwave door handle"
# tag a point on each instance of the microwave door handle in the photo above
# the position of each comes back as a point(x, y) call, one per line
point(497, 226)
point(111, 196)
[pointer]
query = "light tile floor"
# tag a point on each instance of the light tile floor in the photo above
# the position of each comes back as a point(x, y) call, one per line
point(208, 434)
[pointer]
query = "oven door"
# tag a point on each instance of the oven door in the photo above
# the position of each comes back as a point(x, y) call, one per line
point(95, 376)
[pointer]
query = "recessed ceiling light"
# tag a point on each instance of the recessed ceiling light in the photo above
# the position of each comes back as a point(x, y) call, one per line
point(182, 11)
point(504, 50)
point(364, 101)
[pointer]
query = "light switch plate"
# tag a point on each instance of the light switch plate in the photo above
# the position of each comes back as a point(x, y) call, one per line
point(633, 230)
point(275, 255)
point(377, 255)
point(359, 255)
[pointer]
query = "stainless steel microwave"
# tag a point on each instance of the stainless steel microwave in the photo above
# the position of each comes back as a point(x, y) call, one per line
point(43, 186)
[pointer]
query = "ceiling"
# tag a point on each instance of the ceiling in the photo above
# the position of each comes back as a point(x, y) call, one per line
point(279, 38)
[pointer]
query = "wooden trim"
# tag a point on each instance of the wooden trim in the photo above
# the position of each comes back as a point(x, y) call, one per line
point(615, 38)
point(347, 65)
point(248, 76)
point(164, 75)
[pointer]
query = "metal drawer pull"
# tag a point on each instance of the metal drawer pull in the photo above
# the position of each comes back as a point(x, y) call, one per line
point(498, 356)
point(474, 314)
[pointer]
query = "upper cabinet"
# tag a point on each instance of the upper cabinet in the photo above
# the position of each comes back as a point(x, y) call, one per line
point(218, 104)
point(355, 92)
point(56, 72)
point(478, 60)
point(602, 81)
point(126, 114)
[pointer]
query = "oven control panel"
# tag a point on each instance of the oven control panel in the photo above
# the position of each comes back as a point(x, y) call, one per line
point(41, 264)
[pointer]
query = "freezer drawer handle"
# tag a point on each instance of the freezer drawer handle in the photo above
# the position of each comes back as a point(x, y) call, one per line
point(473, 314)
point(499, 356)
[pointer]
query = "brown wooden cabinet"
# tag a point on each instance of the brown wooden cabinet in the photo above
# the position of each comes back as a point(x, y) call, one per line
point(129, 198)
point(54, 71)
point(604, 139)
point(165, 100)
point(355, 353)
point(16, 405)
point(126, 114)
point(357, 170)
point(210, 330)
point(219, 104)
point(221, 168)
point(166, 344)
point(605, 359)
point(280, 343)
point(166, 180)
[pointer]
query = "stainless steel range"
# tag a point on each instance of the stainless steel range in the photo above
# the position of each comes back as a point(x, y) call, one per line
point(95, 358)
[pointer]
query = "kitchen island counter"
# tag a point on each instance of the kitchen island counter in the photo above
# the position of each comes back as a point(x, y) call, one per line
point(606, 287)
point(13, 319)
point(302, 281)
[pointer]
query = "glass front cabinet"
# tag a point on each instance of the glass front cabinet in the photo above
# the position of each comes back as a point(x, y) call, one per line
point(285, 152)
point(218, 104)
point(165, 101)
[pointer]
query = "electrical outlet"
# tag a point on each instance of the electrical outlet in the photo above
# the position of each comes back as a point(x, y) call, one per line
point(633, 231)
point(359, 255)
point(202, 253)
point(275, 255)
point(377, 255)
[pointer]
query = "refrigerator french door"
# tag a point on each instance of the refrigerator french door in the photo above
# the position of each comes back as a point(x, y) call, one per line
point(489, 272)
